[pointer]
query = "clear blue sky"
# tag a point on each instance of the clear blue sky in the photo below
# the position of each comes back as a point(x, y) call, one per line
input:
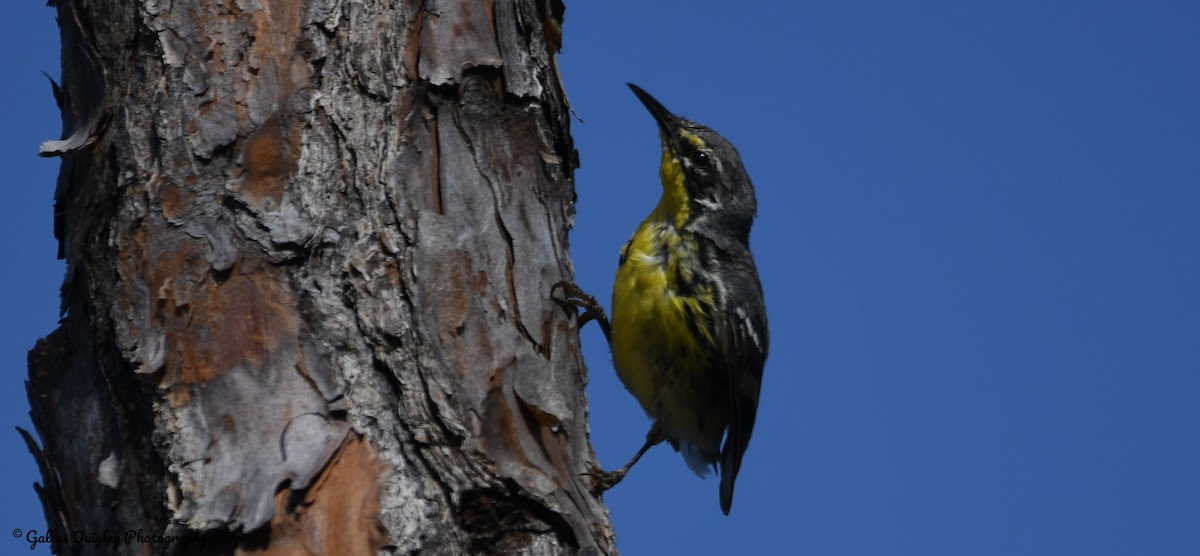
point(979, 236)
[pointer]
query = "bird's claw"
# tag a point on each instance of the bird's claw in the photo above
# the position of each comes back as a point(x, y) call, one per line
point(575, 298)
point(603, 480)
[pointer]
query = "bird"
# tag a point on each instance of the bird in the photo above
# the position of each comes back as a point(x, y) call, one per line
point(688, 333)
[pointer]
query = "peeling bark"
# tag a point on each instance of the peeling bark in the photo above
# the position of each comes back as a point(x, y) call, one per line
point(309, 252)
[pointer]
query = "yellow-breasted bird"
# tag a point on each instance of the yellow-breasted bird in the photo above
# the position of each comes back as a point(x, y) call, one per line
point(689, 328)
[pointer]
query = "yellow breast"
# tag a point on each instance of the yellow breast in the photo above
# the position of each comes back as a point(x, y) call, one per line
point(662, 340)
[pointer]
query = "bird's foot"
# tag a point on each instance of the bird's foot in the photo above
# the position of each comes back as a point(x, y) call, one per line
point(603, 480)
point(575, 298)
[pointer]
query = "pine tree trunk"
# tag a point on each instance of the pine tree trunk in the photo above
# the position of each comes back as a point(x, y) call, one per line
point(310, 246)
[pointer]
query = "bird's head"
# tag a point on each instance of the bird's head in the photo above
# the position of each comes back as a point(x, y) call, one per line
point(705, 187)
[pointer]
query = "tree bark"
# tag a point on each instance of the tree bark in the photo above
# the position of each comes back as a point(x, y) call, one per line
point(310, 246)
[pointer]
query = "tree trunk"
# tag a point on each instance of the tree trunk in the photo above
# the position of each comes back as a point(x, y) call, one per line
point(310, 247)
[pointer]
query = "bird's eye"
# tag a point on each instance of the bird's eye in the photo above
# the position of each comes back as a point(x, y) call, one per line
point(700, 159)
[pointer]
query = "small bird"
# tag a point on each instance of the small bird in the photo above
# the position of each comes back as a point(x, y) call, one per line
point(689, 328)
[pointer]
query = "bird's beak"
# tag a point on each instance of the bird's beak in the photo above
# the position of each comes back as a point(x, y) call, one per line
point(666, 120)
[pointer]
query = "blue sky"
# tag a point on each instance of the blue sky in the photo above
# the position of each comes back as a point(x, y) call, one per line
point(979, 237)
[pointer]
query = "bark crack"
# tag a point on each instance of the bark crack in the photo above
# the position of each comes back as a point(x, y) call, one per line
point(435, 156)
